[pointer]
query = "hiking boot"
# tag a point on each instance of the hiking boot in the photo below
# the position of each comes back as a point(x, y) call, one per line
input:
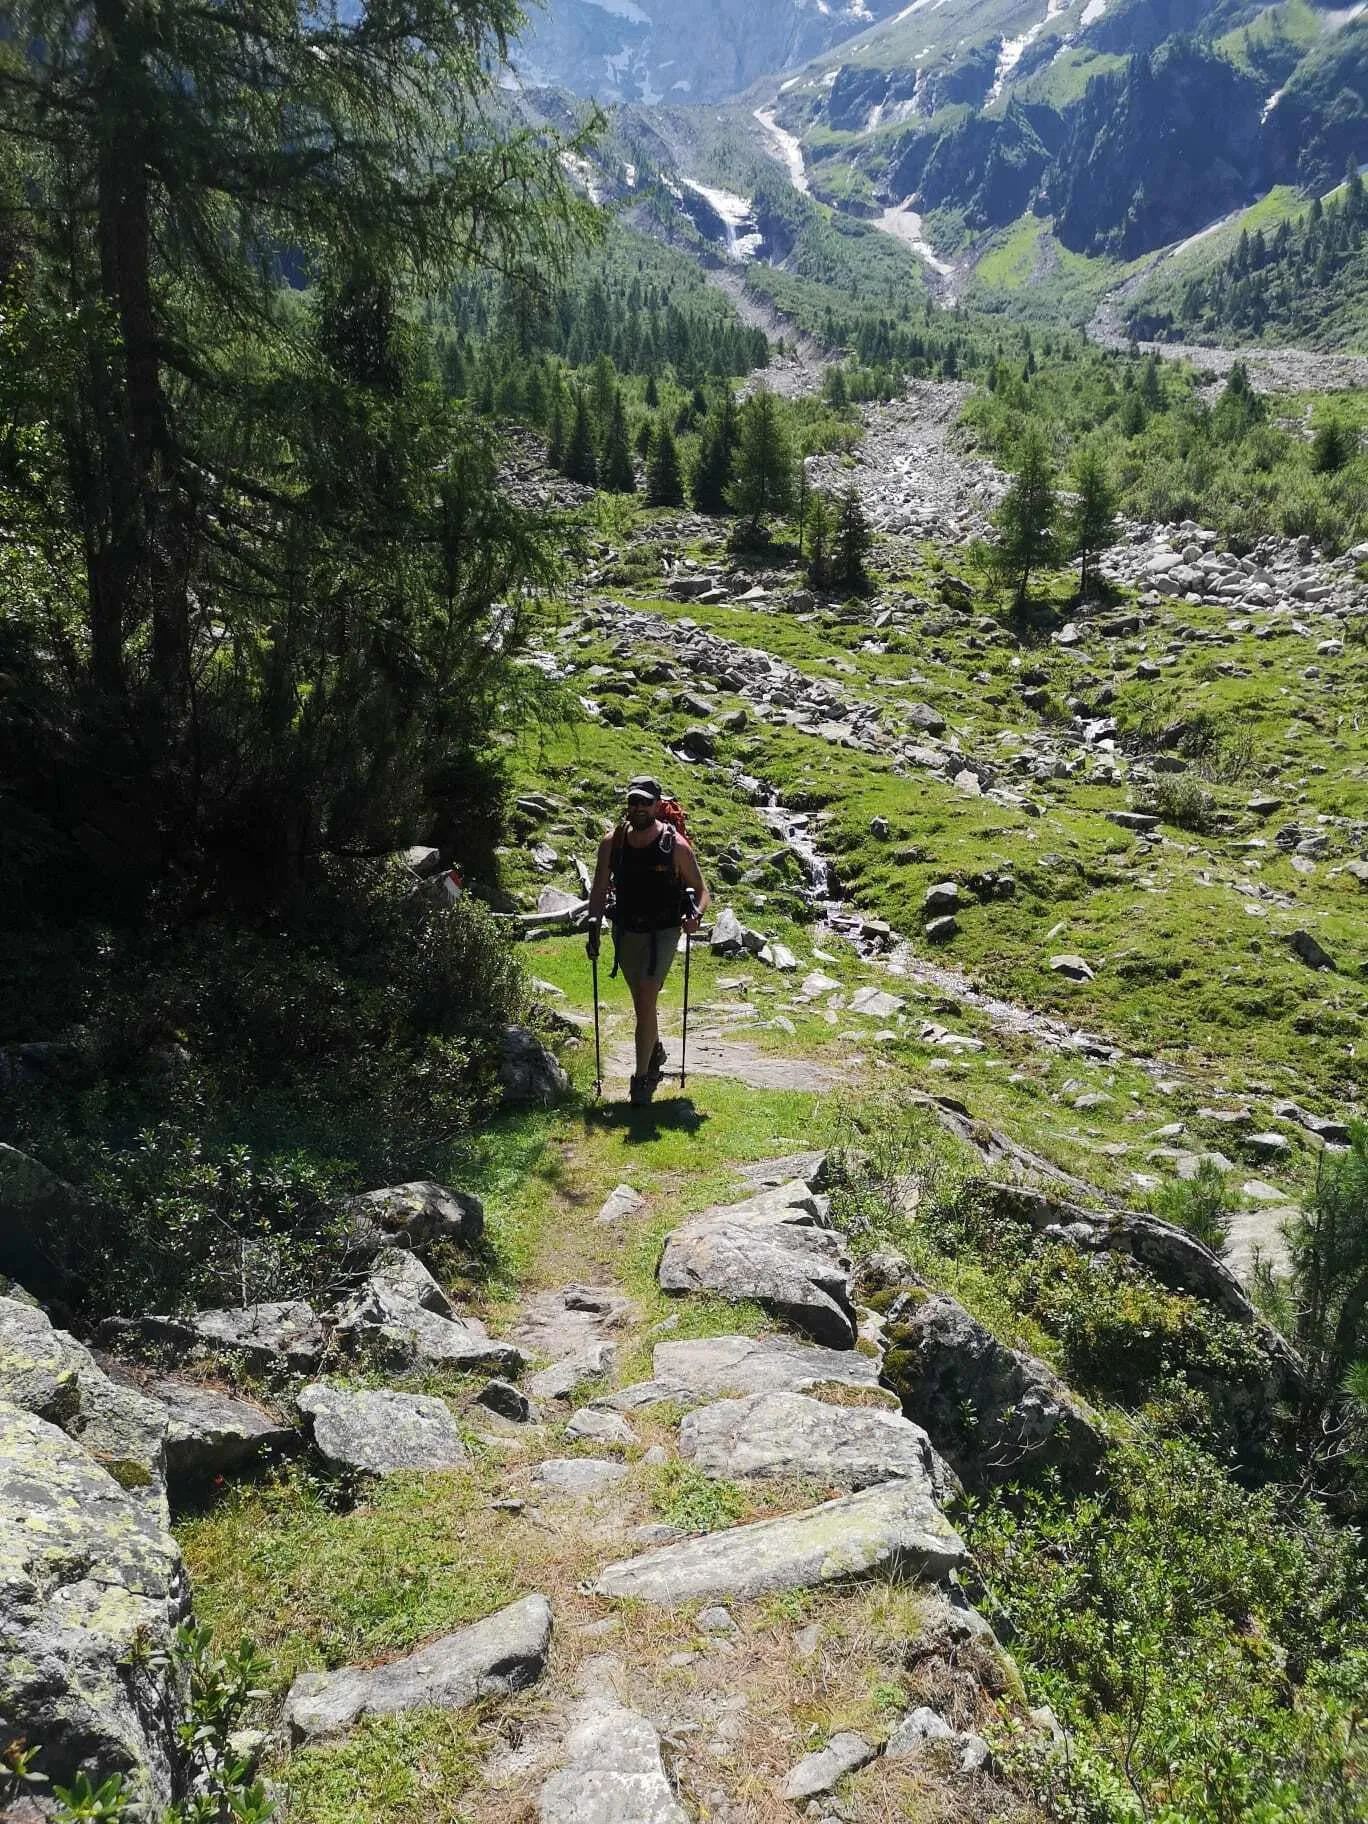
point(656, 1069)
point(639, 1091)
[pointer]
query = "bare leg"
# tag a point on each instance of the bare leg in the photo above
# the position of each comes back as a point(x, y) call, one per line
point(644, 998)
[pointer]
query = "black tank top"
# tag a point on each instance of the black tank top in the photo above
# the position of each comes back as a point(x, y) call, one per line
point(648, 893)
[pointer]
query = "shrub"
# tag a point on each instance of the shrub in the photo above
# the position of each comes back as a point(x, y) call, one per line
point(1201, 1205)
point(1183, 801)
point(1202, 1640)
point(232, 1081)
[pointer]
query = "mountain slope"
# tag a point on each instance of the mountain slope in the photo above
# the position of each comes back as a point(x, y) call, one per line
point(680, 50)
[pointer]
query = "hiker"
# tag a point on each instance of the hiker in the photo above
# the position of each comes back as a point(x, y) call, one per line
point(648, 870)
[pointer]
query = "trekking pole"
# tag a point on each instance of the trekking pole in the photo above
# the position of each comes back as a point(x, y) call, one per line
point(598, 1050)
point(684, 1041)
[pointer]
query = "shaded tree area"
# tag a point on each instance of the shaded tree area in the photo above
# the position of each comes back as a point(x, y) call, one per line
point(255, 553)
point(262, 594)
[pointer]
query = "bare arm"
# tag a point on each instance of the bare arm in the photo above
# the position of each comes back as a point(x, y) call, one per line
point(598, 892)
point(686, 862)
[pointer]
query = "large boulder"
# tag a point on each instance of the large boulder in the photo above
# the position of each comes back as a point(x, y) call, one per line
point(774, 1247)
point(381, 1431)
point(280, 1336)
point(702, 1368)
point(529, 1075)
point(502, 1653)
point(48, 1373)
point(42, 1219)
point(1176, 1258)
point(385, 1324)
point(996, 1414)
point(91, 1582)
point(209, 1431)
point(416, 1216)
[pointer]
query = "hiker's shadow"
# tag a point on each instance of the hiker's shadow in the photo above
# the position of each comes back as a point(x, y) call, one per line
point(639, 1125)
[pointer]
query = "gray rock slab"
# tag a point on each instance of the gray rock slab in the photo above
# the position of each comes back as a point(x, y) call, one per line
point(563, 1379)
point(912, 1734)
point(771, 1248)
point(996, 1414)
point(579, 1475)
point(380, 1431)
point(280, 1334)
point(209, 1431)
point(820, 1772)
point(894, 1528)
point(790, 1434)
point(89, 1578)
point(48, 1373)
point(404, 1276)
point(384, 1325)
point(415, 1215)
point(597, 1427)
point(503, 1653)
point(570, 1319)
point(613, 1774)
point(716, 1365)
point(619, 1204)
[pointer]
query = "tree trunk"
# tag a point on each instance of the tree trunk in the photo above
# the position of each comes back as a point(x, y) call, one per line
point(142, 577)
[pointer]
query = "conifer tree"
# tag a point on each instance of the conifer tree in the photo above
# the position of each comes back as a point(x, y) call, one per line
point(664, 483)
point(652, 393)
point(817, 536)
point(1090, 520)
point(852, 545)
point(616, 472)
point(765, 479)
point(580, 463)
point(555, 442)
point(1026, 539)
point(716, 453)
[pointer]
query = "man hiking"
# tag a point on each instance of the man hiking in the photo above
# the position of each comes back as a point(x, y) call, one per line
point(648, 870)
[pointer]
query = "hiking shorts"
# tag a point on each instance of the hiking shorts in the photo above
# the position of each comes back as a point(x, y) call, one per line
point(634, 954)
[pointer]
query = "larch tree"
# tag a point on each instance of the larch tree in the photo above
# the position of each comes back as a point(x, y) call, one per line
point(1026, 537)
point(765, 481)
point(1090, 517)
point(220, 215)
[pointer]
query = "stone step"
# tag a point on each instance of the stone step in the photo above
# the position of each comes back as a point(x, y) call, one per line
point(612, 1775)
point(773, 1247)
point(704, 1368)
point(503, 1653)
point(789, 1434)
point(895, 1527)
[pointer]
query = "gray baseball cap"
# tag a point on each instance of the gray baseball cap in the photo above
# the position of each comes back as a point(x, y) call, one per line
point(644, 787)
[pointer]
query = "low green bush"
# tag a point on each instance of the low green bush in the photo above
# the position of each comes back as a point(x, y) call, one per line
point(1205, 1647)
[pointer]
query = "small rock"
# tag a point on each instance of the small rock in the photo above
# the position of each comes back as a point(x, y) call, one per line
point(941, 930)
point(508, 1401)
point(528, 1073)
point(1310, 952)
point(817, 1773)
point(1072, 968)
point(943, 897)
point(914, 1731)
point(597, 1427)
point(579, 1475)
point(620, 1203)
point(715, 1620)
